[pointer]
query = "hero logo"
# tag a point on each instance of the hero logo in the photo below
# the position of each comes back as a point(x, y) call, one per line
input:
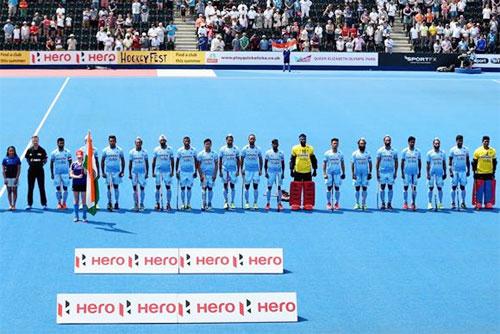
point(55, 57)
point(235, 261)
point(80, 260)
point(125, 308)
point(63, 308)
point(420, 60)
point(245, 307)
point(242, 308)
point(133, 261)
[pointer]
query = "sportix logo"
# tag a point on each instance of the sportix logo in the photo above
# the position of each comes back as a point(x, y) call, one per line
point(420, 60)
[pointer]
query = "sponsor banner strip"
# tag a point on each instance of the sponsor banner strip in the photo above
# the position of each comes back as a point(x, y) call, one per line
point(14, 58)
point(176, 308)
point(73, 58)
point(178, 261)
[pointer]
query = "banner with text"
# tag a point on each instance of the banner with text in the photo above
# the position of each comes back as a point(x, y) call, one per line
point(14, 58)
point(334, 59)
point(244, 58)
point(73, 58)
point(178, 261)
point(176, 308)
point(487, 61)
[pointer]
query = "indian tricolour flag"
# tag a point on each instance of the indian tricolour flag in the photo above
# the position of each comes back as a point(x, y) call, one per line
point(92, 180)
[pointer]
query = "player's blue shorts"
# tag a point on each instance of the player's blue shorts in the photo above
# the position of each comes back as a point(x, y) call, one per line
point(228, 176)
point(61, 180)
point(386, 178)
point(186, 179)
point(252, 177)
point(333, 180)
point(459, 178)
point(273, 178)
point(139, 179)
point(436, 180)
point(361, 180)
point(113, 177)
point(410, 179)
point(208, 181)
point(163, 177)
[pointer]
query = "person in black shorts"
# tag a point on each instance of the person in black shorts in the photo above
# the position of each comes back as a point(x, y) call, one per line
point(286, 59)
point(36, 156)
point(79, 187)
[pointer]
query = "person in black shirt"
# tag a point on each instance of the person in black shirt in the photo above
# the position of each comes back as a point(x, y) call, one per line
point(36, 157)
point(286, 59)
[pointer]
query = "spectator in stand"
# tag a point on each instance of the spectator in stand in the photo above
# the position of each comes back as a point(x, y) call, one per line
point(86, 18)
point(217, 44)
point(71, 43)
point(127, 42)
point(389, 44)
point(8, 30)
point(101, 36)
point(12, 4)
point(59, 43)
point(136, 12)
point(171, 31)
point(202, 42)
point(481, 44)
point(16, 35)
point(264, 44)
point(244, 42)
point(235, 43)
point(491, 42)
point(144, 41)
point(144, 13)
point(23, 9)
point(436, 46)
point(25, 33)
point(34, 31)
point(359, 43)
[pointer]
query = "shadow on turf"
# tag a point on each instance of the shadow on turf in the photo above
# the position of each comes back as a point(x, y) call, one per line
point(108, 227)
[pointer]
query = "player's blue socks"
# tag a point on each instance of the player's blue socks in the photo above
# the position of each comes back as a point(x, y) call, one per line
point(463, 196)
point(247, 195)
point(109, 196)
point(382, 196)
point(143, 194)
point(328, 196)
point(210, 196)
point(255, 195)
point(157, 196)
point(169, 195)
point(135, 197)
point(390, 193)
point(413, 196)
point(279, 196)
point(357, 196)
point(233, 194)
point(58, 196)
point(363, 197)
point(188, 196)
point(453, 196)
point(65, 196)
point(225, 195)
point(117, 195)
point(183, 192)
point(440, 195)
point(268, 195)
point(337, 195)
point(405, 196)
point(204, 196)
point(75, 210)
point(429, 194)
point(85, 209)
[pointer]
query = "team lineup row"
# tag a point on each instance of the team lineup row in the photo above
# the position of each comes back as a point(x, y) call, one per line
point(229, 162)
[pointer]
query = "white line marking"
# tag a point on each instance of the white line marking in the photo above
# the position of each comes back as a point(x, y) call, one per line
point(47, 113)
point(497, 81)
point(186, 73)
point(287, 76)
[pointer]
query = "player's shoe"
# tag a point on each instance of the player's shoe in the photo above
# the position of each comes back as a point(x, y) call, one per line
point(453, 206)
point(478, 206)
point(233, 206)
point(389, 206)
point(308, 207)
point(268, 207)
point(488, 206)
point(429, 206)
point(414, 207)
point(75, 219)
point(405, 206)
point(188, 207)
point(463, 206)
point(59, 206)
point(85, 220)
point(247, 206)
point(28, 208)
point(64, 206)
point(295, 207)
point(116, 206)
point(280, 207)
point(141, 208)
point(226, 206)
point(157, 207)
point(382, 207)
point(209, 207)
point(168, 208)
point(329, 206)
point(364, 207)
point(357, 206)
point(44, 207)
point(203, 207)
point(440, 206)
point(136, 208)
point(336, 206)
point(255, 206)
point(110, 206)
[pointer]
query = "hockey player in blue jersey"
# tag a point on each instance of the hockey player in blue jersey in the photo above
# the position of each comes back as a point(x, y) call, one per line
point(185, 168)
point(229, 169)
point(60, 162)
point(411, 168)
point(459, 162)
point(387, 170)
point(207, 170)
point(361, 168)
point(113, 169)
point(138, 168)
point(163, 166)
point(333, 173)
point(274, 167)
point(251, 170)
point(436, 172)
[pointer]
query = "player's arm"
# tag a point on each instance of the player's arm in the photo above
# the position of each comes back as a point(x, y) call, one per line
point(52, 166)
point(282, 168)
point(122, 158)
point(198, 169)
point(220, 166)
point(177, 166)
point(474, 162)
point(172, 166)
point(467, 164)
point(450, 164)
point(4, 168)
point(129, 168)
point(494, 165)
point(377, 166)
point(342, 167)
point(370, 167)
point(314, 163)
point(352, 170)
point(216, 161)
point(70, 161)
point(146, 161)
point(402, 166)
point(396, 162)
point(265, 168)
point(260, 164)
point(44, 156)
point(419, 167)
point(444, 168)
point(242, 159)
point(324, 169)
point(293, 157)
point(102, 165)
point(97, 165)
point(195, 163)
point(238, 165)
point(153, 165)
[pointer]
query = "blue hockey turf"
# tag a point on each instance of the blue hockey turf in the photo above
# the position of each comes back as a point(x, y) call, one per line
point(363, 272)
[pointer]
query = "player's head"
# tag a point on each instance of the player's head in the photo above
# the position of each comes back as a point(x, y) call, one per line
point(112, 140)
point(138, 143)
point(229, 139)
point(459, 140)
point(362, 143)
point(411, 142)
point(186, 141)
point(486, 141)
point(275, 144)
point(335, 143)
point(302, 139)
point(35, 140)
point(436, 143)
point(208, 144)
point(60, 143)
point(251, 139)
point(162, 140)
point(79, 155)
point(387, 140)
point(11, 151)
